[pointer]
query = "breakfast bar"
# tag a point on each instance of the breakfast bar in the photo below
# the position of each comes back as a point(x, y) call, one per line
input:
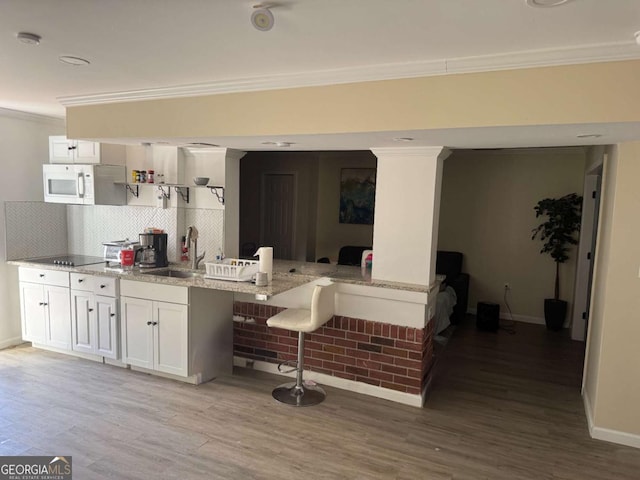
point(378, 343)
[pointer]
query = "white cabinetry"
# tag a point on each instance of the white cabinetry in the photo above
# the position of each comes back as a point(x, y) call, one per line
point(155, 335)
point(64, 150)
point(183, 332)
point(94, 315)
point(45, 307)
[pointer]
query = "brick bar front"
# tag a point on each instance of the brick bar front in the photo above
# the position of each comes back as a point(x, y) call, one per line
point(380, 354)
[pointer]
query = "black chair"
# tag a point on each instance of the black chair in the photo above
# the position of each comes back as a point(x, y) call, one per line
point(351, 255)
point(450, 265)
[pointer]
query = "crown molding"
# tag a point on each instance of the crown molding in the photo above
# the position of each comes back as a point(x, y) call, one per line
point(31, 117)
point(517, 60)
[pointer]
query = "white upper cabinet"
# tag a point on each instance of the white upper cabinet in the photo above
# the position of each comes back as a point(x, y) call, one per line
point(64, 150)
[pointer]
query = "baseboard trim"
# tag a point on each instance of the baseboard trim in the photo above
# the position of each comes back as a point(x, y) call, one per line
point(516, 317)
point(337, 382)
point(11, 342)
point(606, 434)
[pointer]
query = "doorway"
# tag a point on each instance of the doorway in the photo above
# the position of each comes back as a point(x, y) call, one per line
point(278, 213)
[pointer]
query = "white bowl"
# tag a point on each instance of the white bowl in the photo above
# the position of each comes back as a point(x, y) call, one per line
point(200, 180)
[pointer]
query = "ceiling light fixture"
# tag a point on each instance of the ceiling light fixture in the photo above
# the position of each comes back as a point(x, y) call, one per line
point(403, 139)
point(75, 61)
point(546, 3)
point(637, 35)
point(262, 18)
point(589, 135)
point(29, 38)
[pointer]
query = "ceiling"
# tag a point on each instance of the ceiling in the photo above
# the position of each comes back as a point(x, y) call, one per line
point(185, 47)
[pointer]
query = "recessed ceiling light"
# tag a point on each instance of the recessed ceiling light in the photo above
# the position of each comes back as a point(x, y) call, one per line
point(589, 135)
point(637, 35)
point(29, 38)
point(75, 61)
point(284, 144)
point(403, 139)
point(268, 143)
point(546, 3)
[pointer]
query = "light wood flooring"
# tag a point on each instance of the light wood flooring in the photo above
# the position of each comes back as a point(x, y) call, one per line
point(503, 407)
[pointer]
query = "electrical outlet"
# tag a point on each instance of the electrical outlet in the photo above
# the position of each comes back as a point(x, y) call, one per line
point(507, 286)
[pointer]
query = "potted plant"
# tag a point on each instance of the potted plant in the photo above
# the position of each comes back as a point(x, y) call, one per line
point(558, 234)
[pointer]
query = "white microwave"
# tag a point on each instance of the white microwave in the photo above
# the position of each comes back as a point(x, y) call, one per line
point(85, 184)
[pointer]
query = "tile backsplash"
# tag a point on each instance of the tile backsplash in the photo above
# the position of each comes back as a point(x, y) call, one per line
point(210, 225)
point(35, 229)
point(90, 226)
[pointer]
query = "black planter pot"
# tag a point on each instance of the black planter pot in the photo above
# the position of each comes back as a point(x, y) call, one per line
point(555, 312)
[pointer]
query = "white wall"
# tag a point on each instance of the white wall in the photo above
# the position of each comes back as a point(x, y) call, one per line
point(24, 147)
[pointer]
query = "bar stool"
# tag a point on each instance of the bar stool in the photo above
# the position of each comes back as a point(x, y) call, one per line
point(303, 321)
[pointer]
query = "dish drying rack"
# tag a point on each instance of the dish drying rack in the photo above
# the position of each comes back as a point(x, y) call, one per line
point(233, 269)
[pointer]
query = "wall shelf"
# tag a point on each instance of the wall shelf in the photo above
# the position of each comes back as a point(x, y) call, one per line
point(181, 189)
point(215, 191)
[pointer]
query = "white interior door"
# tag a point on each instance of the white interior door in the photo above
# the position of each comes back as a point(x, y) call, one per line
point(278, 214)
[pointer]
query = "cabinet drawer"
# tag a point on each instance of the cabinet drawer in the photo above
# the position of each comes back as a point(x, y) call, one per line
point(82, 281)
point(154, 291)
point(106, 286)
point(45, 277)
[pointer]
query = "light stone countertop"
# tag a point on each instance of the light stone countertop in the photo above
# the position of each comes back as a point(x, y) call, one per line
point(287, 275)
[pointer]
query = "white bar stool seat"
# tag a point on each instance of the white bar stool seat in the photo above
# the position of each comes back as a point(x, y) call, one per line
point(303, 321)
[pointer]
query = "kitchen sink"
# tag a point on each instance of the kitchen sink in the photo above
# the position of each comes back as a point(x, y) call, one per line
point(174, 273)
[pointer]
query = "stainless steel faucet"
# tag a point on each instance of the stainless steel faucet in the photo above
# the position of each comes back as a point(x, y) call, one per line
point(192, 237)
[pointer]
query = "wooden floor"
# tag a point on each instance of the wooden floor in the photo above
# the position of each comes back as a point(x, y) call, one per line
point(503, 407)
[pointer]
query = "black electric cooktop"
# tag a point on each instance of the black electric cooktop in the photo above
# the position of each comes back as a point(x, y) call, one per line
point(68, 260)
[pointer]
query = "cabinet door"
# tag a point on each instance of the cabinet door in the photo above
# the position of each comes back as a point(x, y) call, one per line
point(82, 321)
point(60, 150)
point(171, 338)
point(58, 303)
point(33, 313)
point(136, 316)
point(86, 152)
point(106, 316)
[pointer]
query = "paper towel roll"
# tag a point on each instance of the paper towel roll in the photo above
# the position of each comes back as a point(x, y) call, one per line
point(265, 263)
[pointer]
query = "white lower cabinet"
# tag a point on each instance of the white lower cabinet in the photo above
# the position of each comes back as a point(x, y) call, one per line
point(186, 332)
point(155, 335)
point(94, 317)
point(45, 307)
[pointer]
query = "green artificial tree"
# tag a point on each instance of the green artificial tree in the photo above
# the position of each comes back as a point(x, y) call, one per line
point(558, 232)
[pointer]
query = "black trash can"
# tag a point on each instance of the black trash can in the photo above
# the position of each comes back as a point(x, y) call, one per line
point(488, 316)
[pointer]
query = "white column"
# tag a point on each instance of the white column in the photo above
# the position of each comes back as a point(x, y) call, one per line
point(407, 209)
point(232, 202)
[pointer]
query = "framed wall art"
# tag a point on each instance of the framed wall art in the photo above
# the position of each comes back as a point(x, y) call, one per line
point(357, 195)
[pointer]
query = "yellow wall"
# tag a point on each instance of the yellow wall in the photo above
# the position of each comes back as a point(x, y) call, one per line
point(330, 233)
point(613, 374)
point(486, 212)
point(604, 92)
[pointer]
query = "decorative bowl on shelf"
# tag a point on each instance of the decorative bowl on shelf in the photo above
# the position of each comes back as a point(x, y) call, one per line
point(200, 180)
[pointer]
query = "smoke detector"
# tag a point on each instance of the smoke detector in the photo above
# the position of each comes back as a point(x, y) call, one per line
point(262, 18)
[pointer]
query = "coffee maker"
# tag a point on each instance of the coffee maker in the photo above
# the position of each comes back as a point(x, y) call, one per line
point(154, 250)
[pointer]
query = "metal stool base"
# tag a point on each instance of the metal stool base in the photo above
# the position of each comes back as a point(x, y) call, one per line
point(303, 396)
